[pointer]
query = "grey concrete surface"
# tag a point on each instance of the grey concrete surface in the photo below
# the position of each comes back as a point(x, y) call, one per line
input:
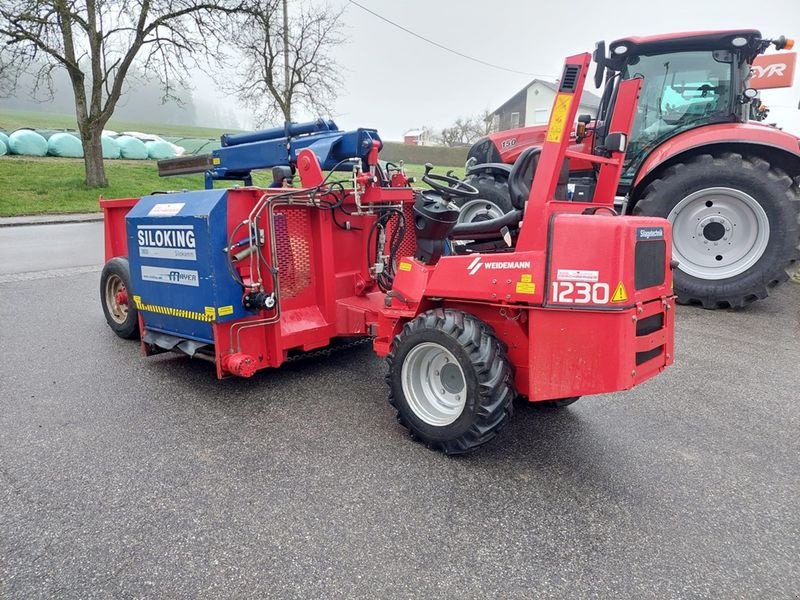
point(126, 477)
point(50, 219)
point(35, 248)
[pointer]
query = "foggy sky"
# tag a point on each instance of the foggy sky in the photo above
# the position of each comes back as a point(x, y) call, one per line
point(394, 82)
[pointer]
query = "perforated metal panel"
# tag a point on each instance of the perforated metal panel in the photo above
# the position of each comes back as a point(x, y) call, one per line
point(408, 247)
point(293, 245)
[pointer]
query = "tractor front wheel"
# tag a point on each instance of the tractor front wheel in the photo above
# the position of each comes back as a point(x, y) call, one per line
point(450, 381)
point(734, 226)
point(118, 306)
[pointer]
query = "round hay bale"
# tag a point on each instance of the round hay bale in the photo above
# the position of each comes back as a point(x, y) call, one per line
point(64, 145)
point(111, 148)
point(131, 148)
point(159, 150)
point(4, 139)
point(2, 147)
point(27, 143)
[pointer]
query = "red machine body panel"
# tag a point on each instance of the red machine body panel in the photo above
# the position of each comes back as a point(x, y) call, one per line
point(114, 237)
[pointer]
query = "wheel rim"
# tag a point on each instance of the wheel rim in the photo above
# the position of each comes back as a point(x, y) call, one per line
point(115, 289)
point(718, 232)
point(434, 384)
point(479, 210)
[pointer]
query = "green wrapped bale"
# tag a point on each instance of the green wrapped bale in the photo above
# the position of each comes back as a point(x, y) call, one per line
point(159, 150)
point(111, 148)
point(64, 145)
point(131, 148)
point(27, 143)
point(4, 139)
point(2, 147)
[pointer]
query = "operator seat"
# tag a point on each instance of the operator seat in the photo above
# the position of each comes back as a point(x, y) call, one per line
point(521, 177)
point(520, 180)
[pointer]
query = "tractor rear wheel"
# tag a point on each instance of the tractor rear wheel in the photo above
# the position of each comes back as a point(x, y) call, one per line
point(450, 381)
point(493, 200)
point(735, 224)
point(118, 306)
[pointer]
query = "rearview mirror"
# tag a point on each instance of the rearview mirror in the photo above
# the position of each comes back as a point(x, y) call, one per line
point(599, 57)
point(616, 142)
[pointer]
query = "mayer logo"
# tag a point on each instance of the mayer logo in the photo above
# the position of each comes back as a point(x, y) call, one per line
point(172, 276)
point(773, 71)
point(166, 241)
point(644, 234)
point(477, 263)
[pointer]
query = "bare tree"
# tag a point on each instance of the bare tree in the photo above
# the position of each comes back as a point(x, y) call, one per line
point(466, 131)
point(98, 42)
point(311, 81)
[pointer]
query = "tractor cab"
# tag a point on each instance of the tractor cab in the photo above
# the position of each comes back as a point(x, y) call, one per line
point(688, 80)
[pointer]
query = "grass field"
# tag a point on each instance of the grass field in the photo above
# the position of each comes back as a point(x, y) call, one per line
point(34, 186)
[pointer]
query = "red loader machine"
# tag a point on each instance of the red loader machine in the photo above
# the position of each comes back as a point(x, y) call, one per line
point(727, 184)
point(551, 301)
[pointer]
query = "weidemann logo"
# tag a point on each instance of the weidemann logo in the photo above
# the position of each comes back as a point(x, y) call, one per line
point(166, 241)
point(477, 263)
point(650, 233)
point(171, 276)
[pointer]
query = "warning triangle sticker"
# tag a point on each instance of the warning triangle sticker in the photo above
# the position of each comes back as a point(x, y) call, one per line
point(620, 295)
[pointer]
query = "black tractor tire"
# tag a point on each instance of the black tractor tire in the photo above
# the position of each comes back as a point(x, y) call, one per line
point(556, 404)
point(123, 319)
point(485, 379)
point(753, 179)
point(492, 188)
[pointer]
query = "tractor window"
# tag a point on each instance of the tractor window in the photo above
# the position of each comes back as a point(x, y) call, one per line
point(680, 91)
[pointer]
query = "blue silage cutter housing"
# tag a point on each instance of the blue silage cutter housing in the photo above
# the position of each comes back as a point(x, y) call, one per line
point(241, 153)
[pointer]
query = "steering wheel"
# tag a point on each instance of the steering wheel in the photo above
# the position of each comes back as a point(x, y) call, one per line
point(453, 187)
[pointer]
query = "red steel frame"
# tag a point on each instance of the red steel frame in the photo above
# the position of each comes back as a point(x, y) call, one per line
point(559, 348)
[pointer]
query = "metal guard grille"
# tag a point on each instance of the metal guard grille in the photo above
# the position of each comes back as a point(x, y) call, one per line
point(292, 235)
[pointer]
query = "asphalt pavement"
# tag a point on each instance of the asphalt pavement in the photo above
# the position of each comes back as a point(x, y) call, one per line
point(127, 477)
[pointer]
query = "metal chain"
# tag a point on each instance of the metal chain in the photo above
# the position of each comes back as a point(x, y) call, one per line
point(328, 350)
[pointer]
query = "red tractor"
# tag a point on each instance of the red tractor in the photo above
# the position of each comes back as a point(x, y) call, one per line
point(551, 301)
point(728, 185)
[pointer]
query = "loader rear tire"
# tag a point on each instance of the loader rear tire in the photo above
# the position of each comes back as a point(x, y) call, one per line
point(450, 381)
point(118, 307)
point(735, 226)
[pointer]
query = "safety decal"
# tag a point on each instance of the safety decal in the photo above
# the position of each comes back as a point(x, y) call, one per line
point(405, 266)
point(206, 316)
point(525, 285)
point(558, 120)
point(224, 311)
point(620, 294)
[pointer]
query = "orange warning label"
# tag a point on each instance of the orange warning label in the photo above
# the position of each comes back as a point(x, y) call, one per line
point(620, 295)
point(558, 120)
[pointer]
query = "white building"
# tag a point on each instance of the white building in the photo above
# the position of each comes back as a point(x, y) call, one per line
point(531, 106)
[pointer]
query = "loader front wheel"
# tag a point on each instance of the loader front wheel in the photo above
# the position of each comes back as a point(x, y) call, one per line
point(118, 306)
point(450, 381)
